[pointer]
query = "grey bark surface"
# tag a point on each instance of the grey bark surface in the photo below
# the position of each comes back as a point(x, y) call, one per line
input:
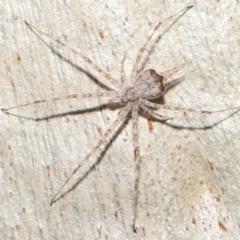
point(189, 178)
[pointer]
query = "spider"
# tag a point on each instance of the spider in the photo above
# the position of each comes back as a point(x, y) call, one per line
point(145, 86)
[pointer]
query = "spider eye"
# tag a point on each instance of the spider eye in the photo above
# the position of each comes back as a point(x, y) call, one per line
point(122, 101)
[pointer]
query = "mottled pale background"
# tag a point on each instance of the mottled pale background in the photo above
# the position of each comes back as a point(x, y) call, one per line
point(189, 180)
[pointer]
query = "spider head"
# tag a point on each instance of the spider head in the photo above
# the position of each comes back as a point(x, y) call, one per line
point(128, 95)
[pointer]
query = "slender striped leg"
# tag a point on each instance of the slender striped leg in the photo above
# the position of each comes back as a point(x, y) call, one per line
point(111, 80)
point(160, 106)
point(122, 115)
point(170, 72)
point(153, 113)
point(77, 96)
point(137, 160)
point(123, 76)
point(133, 76)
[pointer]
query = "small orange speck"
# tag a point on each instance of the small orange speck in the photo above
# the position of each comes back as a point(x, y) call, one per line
point(116, 215)
point(17, 227)
point(222, 226)
point(18, 57)
point(218, 199)
point(48, 169)
point(150, 125)
point(101, 34)
point(211, 165)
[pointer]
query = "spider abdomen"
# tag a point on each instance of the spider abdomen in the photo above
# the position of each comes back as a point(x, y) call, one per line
point(149, 84)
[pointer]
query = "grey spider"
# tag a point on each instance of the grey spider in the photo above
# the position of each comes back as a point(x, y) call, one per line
point(145, 86)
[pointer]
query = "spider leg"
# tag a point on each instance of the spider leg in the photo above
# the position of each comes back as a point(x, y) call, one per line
point(160, 106)
point(137, 159)
point(173, 83)
point(133, 76)
point(123, 76)
point(153, 113)
point(170, 72)
point(90, 95)
point(113, 81)
point(122, 115)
